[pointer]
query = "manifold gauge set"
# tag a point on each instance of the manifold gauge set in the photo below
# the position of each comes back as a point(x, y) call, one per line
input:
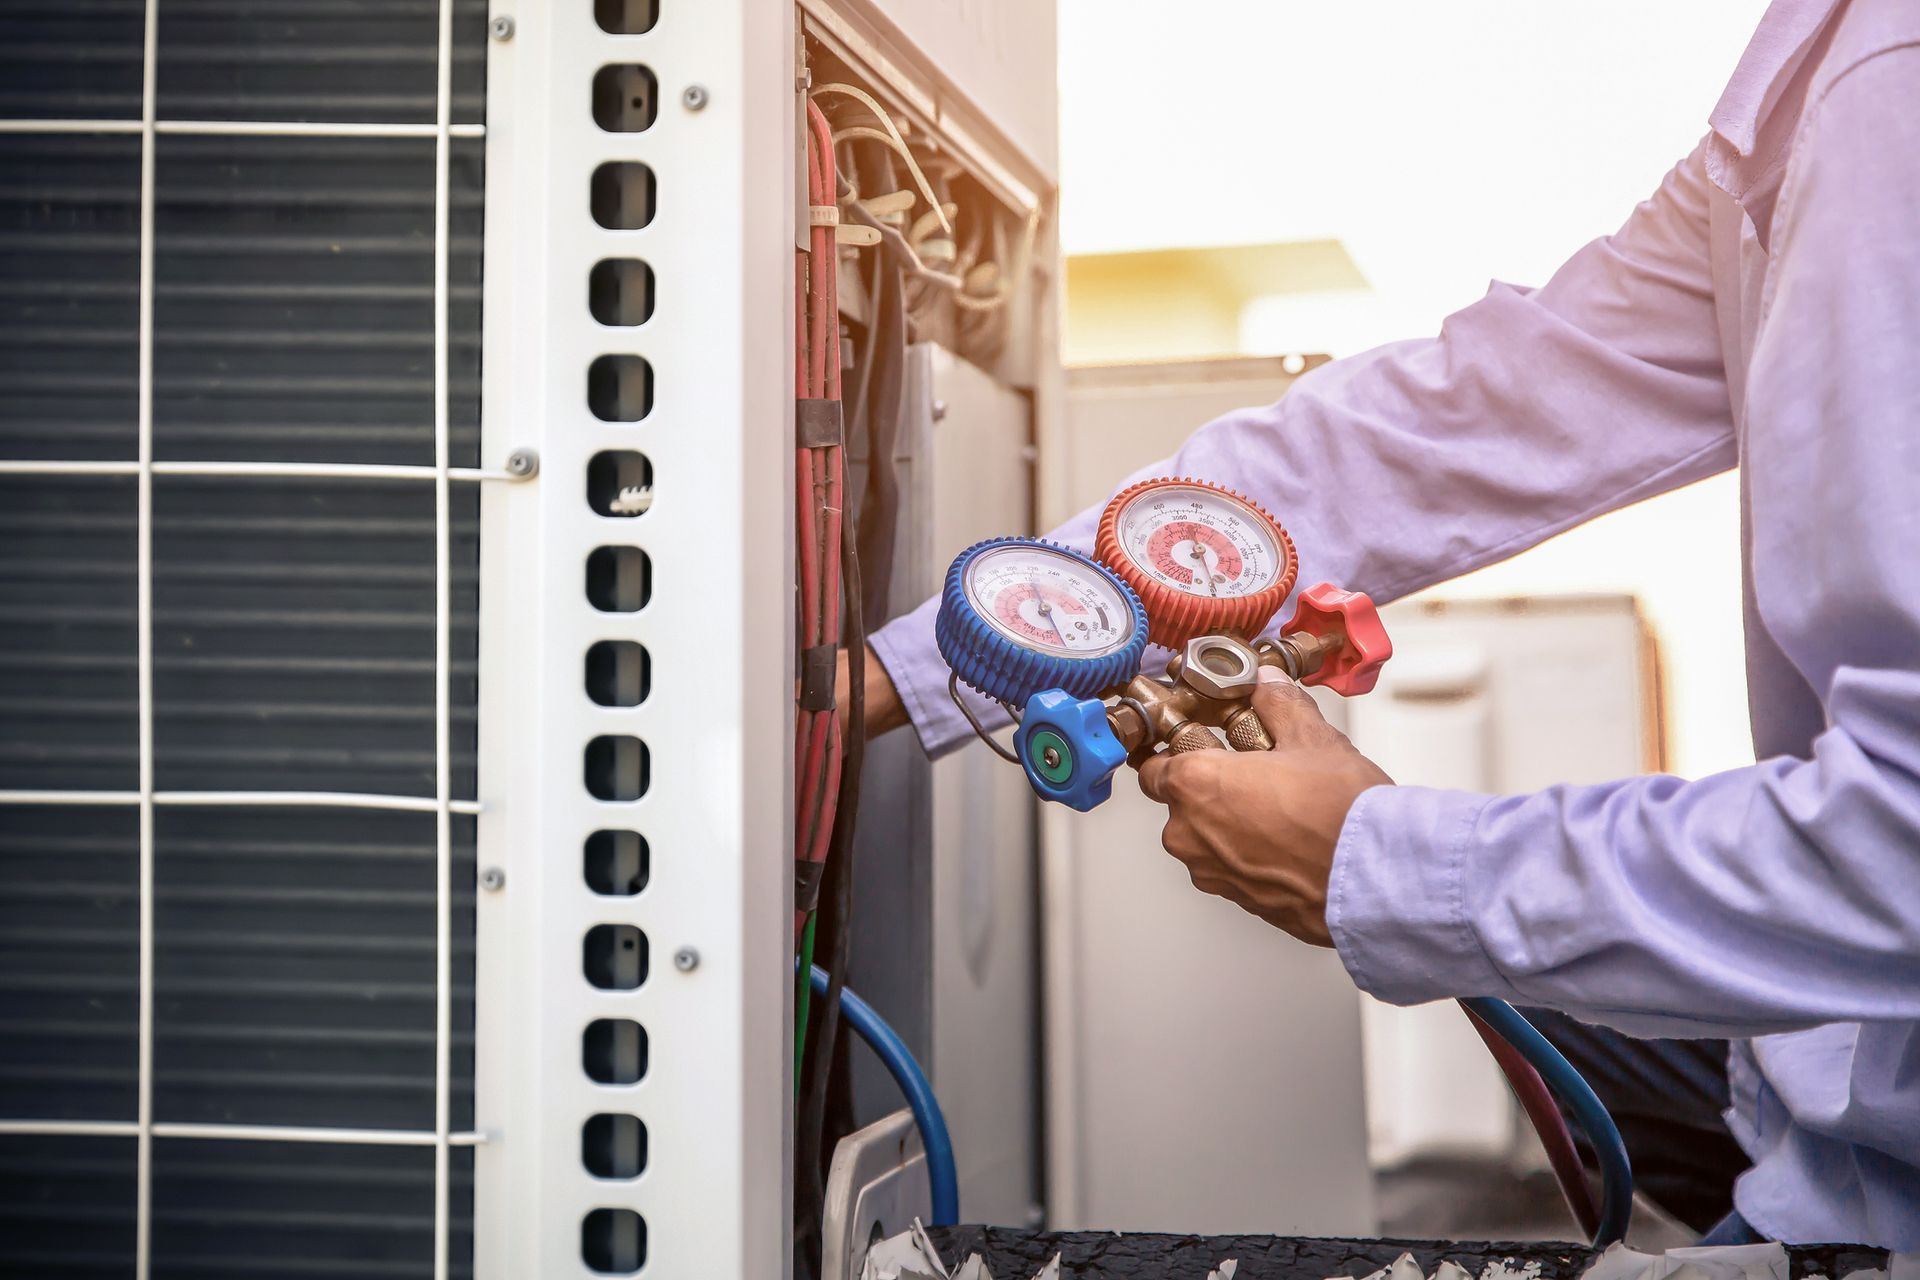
point(1060, 637)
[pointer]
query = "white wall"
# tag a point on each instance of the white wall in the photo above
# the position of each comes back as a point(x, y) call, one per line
point(1445, 144)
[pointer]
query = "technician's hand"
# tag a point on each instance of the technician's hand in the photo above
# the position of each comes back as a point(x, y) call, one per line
point(1258, 828)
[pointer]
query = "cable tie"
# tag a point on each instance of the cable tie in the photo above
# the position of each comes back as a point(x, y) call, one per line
point(818, 424)
point(818, 668)
point(806, 883)
point(823, 215)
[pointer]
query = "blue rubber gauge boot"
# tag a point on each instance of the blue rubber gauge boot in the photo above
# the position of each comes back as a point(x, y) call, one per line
point(1067, 749)
point(1019, 615)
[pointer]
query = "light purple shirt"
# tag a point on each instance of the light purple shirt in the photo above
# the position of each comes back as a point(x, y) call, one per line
point(1762, 309)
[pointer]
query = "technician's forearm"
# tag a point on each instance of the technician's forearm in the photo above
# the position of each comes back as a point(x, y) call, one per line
point(883, 712)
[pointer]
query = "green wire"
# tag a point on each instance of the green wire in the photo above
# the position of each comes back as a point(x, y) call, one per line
point(802, 1001)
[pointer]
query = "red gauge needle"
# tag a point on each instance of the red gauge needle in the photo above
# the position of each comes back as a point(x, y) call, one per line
point(1206, 571)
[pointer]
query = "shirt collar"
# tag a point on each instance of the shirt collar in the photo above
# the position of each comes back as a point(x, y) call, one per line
point(1786, 33)
point(1755, 119)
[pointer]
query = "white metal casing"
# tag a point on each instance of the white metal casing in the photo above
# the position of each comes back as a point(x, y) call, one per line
point(1002, 55)
point(1503, 696)
point(716, 1094)
point(1203, 1070)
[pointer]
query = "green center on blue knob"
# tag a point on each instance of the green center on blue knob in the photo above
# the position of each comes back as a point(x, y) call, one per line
point(1051, 756)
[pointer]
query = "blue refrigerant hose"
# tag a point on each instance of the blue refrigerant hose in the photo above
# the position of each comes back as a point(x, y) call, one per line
point(900, 1063)
point(1616, 1173)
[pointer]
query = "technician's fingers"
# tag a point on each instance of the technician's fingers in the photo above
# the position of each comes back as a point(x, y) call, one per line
point(1182, 778)
point(1159, 777)
point(1285, 708)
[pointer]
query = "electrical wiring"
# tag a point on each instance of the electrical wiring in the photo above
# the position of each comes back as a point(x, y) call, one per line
point(1603, 1136)
point(819, 479)
point(899, 143)
point(859, 132)
point(1548, 1122)
point(896, 245)
point(942, 1179)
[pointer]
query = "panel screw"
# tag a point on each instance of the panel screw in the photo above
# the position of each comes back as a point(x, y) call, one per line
point(693, 97)
point(939, 410)
point(493, 879)
point(686, 959)
point(501, 28)
point(522, 463)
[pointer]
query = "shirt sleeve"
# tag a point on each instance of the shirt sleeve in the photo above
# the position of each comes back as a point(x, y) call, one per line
point(1786, 894)
point(1532, 411)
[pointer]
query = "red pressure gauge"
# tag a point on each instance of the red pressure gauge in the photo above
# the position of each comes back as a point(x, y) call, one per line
point(1201, 558)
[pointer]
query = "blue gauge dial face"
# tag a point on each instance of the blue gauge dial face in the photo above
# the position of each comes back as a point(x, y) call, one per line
point(1040, 599)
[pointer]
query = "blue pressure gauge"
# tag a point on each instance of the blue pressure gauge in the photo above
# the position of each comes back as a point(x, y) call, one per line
point(1020, 615)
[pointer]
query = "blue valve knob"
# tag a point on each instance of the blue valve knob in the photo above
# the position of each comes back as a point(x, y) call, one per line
point(1067, 749)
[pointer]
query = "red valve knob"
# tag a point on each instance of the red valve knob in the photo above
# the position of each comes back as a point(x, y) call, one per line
point(1354, 666)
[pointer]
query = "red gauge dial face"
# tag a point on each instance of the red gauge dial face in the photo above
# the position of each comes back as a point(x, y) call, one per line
point(1041, 599)
point(1200, 542)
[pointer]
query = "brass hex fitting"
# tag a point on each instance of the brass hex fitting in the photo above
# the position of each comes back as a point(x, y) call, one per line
point(1219, 666)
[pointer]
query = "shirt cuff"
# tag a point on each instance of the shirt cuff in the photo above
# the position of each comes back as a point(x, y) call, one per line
point(1397, 898)
point(907, 650)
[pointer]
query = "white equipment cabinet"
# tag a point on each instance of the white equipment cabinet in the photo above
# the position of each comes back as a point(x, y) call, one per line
point(1204, 1070)
point(1206, 1073)
point(1503, 696)
point(701, 769)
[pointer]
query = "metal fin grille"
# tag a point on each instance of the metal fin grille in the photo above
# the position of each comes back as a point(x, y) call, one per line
point(239, 511)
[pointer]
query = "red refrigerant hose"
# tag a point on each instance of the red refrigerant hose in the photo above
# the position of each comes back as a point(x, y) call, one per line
point(1537, 1101)
point(819, 474)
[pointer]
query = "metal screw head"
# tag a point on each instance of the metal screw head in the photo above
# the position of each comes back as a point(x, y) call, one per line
point(493, 879)
point(522, 463)
point(693, 97)
point(686, 959)
point(501, 28)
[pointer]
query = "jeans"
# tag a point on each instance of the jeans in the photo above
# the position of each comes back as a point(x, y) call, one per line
point(1667, 1096)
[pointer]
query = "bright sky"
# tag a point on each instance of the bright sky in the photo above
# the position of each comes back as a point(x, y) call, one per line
point(1445, 143)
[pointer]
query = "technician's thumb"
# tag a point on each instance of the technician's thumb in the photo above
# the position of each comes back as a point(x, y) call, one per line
point(1283, 706)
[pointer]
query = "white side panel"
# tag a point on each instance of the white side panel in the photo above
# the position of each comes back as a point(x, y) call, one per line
point(876, 1187)
point(1492, 696)
point(1203, 1069)
point(984, 967)
point(1431, 1085)
point(1001, 55)
point(1119, 418)
point(716, 1092)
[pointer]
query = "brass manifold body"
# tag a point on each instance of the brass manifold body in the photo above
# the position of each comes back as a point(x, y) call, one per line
point(1209, 685)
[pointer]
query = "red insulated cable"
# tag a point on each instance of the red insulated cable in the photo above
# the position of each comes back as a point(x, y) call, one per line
point(825, 340)
point(1537, 1101)
point(819, 484)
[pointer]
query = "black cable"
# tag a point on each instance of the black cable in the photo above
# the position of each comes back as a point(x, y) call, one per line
point(881, 172)
point(880, 508)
